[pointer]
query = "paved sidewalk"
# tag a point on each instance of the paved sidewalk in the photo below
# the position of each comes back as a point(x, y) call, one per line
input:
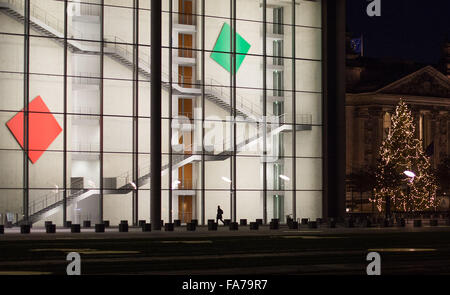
point(39, 233)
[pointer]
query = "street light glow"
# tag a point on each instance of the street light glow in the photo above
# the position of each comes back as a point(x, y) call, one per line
point(226, 179)
point(284, 177)
point(409, 173)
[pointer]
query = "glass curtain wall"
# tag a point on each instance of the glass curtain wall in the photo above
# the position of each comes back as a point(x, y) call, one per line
point(241, 110)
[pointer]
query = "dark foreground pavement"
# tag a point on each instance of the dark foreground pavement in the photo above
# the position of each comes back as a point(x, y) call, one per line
point(305, 251)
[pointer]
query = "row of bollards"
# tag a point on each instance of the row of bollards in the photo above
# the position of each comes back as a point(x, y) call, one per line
point(213, 225)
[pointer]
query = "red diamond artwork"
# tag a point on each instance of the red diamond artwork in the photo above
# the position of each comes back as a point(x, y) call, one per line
point(43, 128)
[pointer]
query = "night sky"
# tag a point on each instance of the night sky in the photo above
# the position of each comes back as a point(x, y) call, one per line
point(407, 29)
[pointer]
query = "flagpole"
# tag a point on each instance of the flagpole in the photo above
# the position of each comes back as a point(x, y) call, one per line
point(362, 45)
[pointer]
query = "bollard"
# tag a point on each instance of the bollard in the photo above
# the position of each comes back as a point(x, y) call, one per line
point(106, 223)
point(243, 222)
point(305, 221)
point(234, 226)
point(47, 224)
point(100, 228)
point(254, 225)
point(212, 225)
point(75, 228)
point(312, 224)
point(177, 222)
point(274, 225)
point(293, 225)
point(86, 223)
point(289, 221)
point(124, 222)
point(190, 226)
point(168, 227)
point(50, 228)
point(123, 227)
point(226, 222)
point(25, 229)
point(259, 221)
point(141, 223)
point(147, 227)
point(68, 224)
point(2, 229)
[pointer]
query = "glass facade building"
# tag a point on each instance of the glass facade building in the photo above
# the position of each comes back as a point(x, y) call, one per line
point(242, 110)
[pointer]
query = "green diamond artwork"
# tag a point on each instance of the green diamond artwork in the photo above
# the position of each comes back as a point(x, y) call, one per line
point(223, 44)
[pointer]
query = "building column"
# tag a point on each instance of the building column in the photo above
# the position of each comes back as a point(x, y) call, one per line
point(434, 136)
point(155, 121)
point(376, 131)
point(441, 144)
point(333, 74)
point(26, 95)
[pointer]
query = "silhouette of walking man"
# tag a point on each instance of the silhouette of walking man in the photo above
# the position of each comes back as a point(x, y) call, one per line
point(219, 215)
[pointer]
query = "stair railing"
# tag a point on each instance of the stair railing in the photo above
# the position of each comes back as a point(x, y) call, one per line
point(43, 16)
point(221, 92)
point(47, 200)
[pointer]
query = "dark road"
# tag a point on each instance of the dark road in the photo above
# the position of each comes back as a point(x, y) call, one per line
point(327, 251)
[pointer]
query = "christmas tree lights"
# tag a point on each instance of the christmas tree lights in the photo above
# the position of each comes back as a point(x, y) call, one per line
point(401, 152)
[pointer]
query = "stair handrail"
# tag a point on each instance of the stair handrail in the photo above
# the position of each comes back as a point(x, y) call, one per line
point(59, 195)
point(122, 46)
point(248, 106)
point(45, 17)
point(122, 49)
point(49, 200)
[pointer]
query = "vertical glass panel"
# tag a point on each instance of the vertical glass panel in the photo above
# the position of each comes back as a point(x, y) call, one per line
point(309, 174)
point(309, 204)
point(12, 24)
point(11, 49)
point(308, 76)
point(119, 21)
point(216, 198)
point(12, 165)
point(118, 97)
point(118, 185)
point(11, 204)
point(45, 181)
point(11, 86)
point(48, 15)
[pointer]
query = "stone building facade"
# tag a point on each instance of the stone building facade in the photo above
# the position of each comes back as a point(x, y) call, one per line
point(369, 108)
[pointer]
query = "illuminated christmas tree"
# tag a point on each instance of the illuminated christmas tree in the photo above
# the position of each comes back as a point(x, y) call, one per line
point(400, 152)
